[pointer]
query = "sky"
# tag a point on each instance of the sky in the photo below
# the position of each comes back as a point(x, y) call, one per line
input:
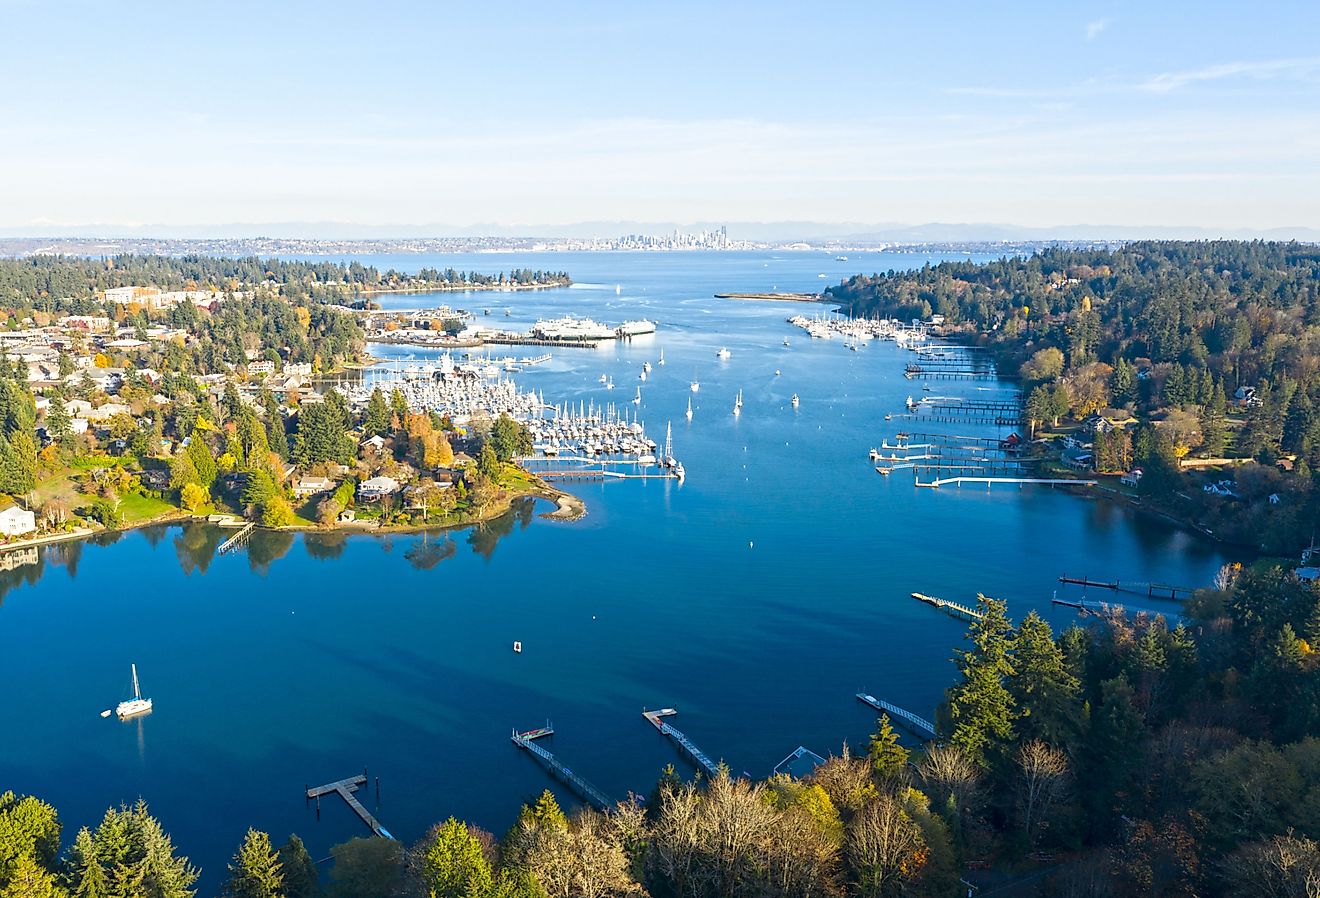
point(1029, 113)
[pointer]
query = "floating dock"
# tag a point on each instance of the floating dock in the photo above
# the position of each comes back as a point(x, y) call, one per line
point(238, 540)
point(1021, 481)
point(919, 725)
point(580, 787)
point(1151, 590)
point(952, 608)
point(687, 745)
point(345, 789)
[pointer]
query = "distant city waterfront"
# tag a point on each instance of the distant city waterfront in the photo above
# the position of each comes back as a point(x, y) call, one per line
point(757, 597)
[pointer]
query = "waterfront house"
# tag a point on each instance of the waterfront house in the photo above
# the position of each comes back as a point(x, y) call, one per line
point(1307, 574)
point(1077, 459)
point(377, 488)
point(1132, 478)
point(310, 486)
point(15, 521)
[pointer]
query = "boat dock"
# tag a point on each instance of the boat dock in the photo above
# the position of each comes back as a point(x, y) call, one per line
point(919, 725)
point(952, 608)
point(1151, 590)
point(346, 788)
point(1045, 481)
point(687, 745)
point(238, 540)
point(584, 789)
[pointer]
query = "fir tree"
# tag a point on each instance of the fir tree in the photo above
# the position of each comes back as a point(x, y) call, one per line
point(255, 871)
point(1043, 688)
point(377, 421)
point(981, 709)
point(888, 758)
point(300, 876)
point(454, 865)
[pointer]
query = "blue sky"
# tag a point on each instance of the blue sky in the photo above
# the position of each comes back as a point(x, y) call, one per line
point(1178, 113)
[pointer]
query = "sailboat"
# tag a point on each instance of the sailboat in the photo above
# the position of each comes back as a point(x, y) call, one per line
point(637, 400)
point(135, 705)
point(695, 387)
point(662, 358)
point(723, 353)
point(795, 400)
point(737, 405)
point(689, 411)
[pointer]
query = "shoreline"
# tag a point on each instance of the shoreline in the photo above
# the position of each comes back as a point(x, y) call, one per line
point(466, 288)
point(774, 297)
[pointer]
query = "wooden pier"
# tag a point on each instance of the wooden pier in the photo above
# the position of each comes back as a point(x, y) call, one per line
point(689, 747)
point(582, 788)
point(919, 725)
point(238, 540)
point(346, 788)
point(952, 608)
point(959, 481)
point(1151, 590)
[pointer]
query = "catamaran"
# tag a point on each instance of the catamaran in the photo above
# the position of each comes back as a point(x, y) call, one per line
point(135, 705)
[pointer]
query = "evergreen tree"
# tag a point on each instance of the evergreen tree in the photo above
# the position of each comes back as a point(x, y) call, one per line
point(1043, 688)
point(300, 876)
point(321, 435)
point(980, 707)
point(454, 865)
point(888, 758)
point(203, 460)
point(377, 421)
point(255, 871)
point(59, 426)
point(232, 405)
point(277, 437)
point(1214, 425)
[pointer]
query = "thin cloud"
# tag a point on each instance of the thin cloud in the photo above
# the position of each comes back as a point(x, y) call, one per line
point(1274, 68)
point(1094, 28)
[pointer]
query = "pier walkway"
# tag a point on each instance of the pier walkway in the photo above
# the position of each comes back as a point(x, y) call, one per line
point(581, 787)
point(689, 747)
point(345, 789)
point(959, 481)
point(952, 608)
point(919, 725)
point(1151, 590)
point(238, 540)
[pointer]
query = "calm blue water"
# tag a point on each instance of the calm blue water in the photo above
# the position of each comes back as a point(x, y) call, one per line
point(757, 598)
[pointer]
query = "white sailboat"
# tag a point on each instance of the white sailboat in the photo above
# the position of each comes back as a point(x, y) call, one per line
point(137, 704)
point(689, 410)
point(695, 387)
point(662, 358)
point(737, 405)
point(637, 400)
point(795, 400)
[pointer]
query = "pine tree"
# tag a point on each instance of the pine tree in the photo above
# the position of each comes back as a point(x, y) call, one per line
point(277, 436)
point(981, 709)
point(1043, 688)
point(454, 865)
point(199, 453)
point(377, 421)
point(888, 758)
point(59, 426)
point(255, 871)
point(232, 404)
point(300, 876)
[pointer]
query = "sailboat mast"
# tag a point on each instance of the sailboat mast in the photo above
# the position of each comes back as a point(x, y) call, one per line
point(137, 691)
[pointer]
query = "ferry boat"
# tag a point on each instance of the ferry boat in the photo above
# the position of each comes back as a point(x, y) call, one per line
point(635, 328)
point(723, 353)
point(135, 706)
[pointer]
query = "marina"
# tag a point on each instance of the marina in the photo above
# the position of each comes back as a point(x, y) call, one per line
point(395, 650)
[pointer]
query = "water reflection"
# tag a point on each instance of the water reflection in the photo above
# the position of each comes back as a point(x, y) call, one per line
point(325, 546)
point(483, 537)
point(267, 546)
point(196, 546)
point(429, 552)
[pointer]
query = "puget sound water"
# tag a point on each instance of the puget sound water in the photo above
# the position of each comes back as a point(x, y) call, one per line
point(756, 598)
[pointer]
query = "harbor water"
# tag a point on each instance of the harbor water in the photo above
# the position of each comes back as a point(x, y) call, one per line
point(757, 597)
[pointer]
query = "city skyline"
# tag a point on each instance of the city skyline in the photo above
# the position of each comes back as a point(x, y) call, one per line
point(1115, 115)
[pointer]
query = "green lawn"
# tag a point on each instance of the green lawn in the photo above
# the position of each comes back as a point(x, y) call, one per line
point(136, 508)
point(88, 462)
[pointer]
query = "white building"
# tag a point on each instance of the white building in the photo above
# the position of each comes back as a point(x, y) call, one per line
point(15, 521)
point(378, 487)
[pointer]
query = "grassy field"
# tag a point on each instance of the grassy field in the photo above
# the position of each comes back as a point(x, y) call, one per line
point(137, 508)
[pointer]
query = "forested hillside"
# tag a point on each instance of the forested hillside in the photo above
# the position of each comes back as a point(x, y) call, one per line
point(1214, 347)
